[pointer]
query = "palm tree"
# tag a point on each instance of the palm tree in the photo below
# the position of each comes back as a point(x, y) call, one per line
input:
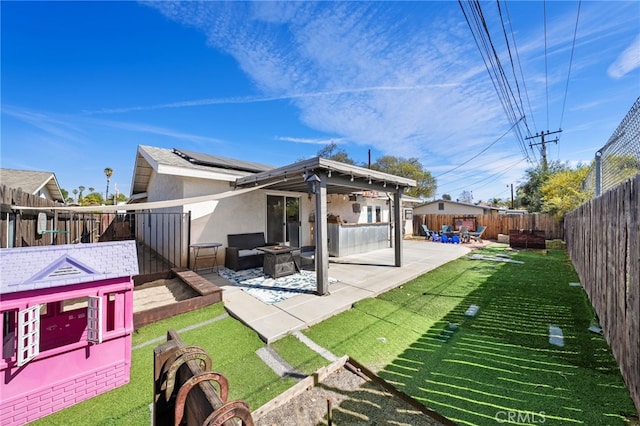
point(81, 189)
point(75, 192)
point(108, 172)
point(91, 189)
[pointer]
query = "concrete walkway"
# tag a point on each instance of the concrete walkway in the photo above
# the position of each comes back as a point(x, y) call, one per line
point(360, 276)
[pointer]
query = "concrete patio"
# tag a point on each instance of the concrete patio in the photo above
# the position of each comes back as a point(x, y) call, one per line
point(360, 276)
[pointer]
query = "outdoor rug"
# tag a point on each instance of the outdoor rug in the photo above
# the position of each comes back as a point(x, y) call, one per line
point(270, 290)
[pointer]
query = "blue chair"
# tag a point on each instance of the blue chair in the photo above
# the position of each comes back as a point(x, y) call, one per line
point(478, 234)
point(428, 234)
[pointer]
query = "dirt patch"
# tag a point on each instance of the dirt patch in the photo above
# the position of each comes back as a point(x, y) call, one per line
point(354, 401)
point(161, 292)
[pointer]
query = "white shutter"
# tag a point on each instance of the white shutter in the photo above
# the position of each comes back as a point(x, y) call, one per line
point(28, 334)
point(94, 319)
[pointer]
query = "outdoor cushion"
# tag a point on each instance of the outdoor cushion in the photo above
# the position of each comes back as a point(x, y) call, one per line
point(253, 252)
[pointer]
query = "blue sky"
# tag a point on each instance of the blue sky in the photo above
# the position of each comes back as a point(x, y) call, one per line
point(84, 83)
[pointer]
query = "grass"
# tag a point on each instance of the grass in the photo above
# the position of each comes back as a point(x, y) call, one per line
point(499, 363)
point(232, 346)
point(496, 365)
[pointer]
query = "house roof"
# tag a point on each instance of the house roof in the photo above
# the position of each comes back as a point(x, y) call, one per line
point(32, 182)
point(35, 268)
point(186, 163)
point(456, 203)
point(340, 177)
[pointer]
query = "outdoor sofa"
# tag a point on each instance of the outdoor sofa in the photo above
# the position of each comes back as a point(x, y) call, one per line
point(242, 252)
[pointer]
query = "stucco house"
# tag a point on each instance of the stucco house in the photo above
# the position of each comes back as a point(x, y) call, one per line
point(291, 205)
point(67, 321)
point(41, 184)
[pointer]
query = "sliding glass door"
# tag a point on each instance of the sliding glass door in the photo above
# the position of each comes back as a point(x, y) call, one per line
point(283, 220)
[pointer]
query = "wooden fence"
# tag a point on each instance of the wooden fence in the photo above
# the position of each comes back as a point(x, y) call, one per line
point(604, 244)
point(495, 223)
point(163, 238)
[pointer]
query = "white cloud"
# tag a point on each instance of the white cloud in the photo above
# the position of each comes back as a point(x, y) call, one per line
point(319, 141)
point(628, 60)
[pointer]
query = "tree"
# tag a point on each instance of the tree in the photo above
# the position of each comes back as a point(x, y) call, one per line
point(529, 194)
point(65, 194)
point(466, 197)
point(446, 197)
point(91, 189)
point(332, 152)
point(409, 168)
point(80, 189)
point(75, 193)
point(93, 199)
point(562, 191)
point(108, 172)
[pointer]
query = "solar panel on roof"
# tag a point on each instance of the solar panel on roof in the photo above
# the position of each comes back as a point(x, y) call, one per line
point(225, 163)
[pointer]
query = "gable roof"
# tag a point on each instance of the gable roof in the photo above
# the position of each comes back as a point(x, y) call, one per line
point(34, 268)
point(187, 163)
point(32, 182)
point(457, 203)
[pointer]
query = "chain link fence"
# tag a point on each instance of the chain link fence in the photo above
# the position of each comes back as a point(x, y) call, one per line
point(619, 159)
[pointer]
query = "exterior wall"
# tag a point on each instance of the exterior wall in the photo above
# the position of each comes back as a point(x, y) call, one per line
point(449, 208)
point(65, 375)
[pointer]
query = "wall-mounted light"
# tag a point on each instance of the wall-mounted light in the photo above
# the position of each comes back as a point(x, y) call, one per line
point(351, 177)
point(313, 184)
point(329, 174)
point(384, 184)
point(369, 180)
point(396, 186)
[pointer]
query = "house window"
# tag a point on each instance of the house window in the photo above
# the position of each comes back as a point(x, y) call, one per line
point(378, 214)
point(9, 319)
point(369, 214)
point(440, 206)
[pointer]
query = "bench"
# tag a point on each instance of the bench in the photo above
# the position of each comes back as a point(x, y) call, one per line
point(242, 252)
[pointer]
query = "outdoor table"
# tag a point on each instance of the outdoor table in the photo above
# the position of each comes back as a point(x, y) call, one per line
point(279, 261)
point(198, 256)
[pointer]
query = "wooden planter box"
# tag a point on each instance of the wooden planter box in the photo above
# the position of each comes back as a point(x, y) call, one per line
point(208, 294)
point(527, 238)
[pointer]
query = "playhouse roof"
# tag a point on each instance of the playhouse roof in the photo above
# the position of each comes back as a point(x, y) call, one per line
point(34, 268)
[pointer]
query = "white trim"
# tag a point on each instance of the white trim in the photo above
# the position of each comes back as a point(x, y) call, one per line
point(94, 319)
point(28, 334)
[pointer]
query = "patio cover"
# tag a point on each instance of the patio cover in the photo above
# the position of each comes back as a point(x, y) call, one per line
point(320, 176)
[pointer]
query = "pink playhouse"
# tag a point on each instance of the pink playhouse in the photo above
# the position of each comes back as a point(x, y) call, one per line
point(67, 320)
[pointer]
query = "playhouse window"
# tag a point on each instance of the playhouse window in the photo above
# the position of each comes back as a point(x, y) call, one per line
point(28, 334)
point(73, 304)
point(9, 319)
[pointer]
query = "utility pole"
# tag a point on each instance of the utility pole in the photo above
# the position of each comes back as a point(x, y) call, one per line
point(543, 143)
point(511, 196)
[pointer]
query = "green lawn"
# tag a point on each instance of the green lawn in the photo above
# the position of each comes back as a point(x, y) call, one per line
point(496, 365)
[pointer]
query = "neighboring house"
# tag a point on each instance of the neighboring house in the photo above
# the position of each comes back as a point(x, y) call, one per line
point(67, 321)
point(452, 207)
point(281, 202)
point(41, 184)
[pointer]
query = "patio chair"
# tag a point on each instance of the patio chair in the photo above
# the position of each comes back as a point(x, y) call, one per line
point(463, 233)
point(447, 230)
point(477, 236)
point(428, 234)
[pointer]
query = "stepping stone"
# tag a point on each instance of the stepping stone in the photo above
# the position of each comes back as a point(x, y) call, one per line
point(472, 311)
point(281, 367)
point(325, 353)
point(575, 284)
point(595, 329)
point(555, 336)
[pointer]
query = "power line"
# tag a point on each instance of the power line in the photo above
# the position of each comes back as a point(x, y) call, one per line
point(482, 151)
point(573, 45)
